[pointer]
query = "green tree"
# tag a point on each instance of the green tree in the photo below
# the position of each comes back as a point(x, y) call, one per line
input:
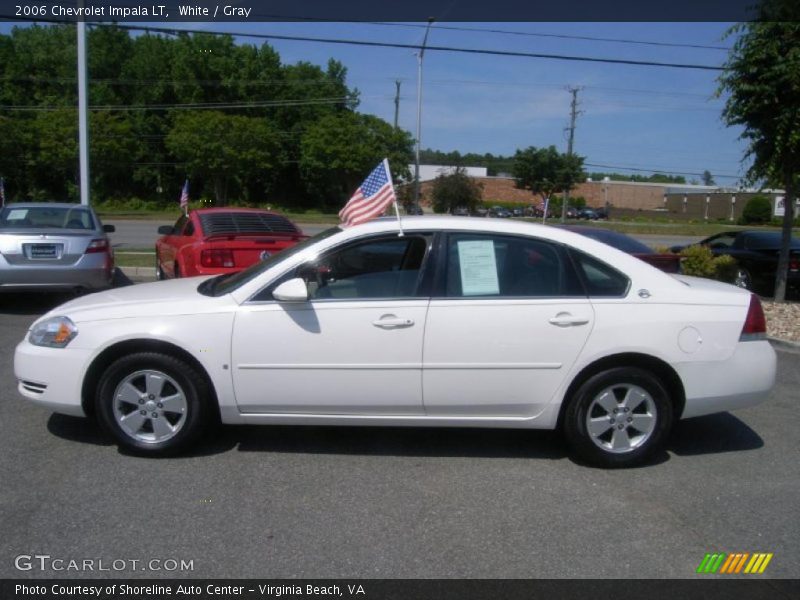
point(545, 171)
point(338, 151)
point(757, 211)
point(455, 190)
point(708, 178)
point(225, 149)
point(762, 76)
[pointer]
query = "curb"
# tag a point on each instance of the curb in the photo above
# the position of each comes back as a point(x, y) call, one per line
point(138, 271)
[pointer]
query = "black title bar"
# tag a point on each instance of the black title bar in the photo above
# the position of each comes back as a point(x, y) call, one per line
point(123, 11)
point(702, 588)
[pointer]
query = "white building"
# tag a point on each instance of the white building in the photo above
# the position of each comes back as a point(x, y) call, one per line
point(430, 172)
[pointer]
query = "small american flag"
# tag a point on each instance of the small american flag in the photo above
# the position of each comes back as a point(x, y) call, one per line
point(371, 198)
point(2, 192)
point(185, 196)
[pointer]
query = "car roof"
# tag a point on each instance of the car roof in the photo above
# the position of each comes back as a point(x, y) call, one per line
point(47, 205)
point(766, 239)
point(229, 209)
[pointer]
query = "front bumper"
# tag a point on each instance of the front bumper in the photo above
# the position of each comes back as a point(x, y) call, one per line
point(51, 377)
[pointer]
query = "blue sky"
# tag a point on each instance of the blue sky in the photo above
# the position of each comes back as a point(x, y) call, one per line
point(644, 117)
point(651, 118)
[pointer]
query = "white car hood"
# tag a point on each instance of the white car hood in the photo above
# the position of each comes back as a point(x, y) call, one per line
point(160, 298)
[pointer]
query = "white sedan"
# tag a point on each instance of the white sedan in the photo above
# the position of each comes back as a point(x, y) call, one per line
point(457, 323)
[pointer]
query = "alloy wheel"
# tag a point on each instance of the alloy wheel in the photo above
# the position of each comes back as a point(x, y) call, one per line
point(150, 406)
point(621, 418)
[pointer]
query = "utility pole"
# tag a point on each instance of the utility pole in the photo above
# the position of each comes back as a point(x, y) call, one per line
point(396, 102)
point(573, 114)
point(83, 114)
point(420, 54)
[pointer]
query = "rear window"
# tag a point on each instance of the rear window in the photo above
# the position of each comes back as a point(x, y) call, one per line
point(222, 223)
point(46, 217)
point(601, 280)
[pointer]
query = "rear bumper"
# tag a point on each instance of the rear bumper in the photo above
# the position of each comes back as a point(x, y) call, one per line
point(91, 272)
point(745, 379)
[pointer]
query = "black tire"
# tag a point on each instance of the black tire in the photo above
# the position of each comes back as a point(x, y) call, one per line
point(185, 413)
point(176, 273)
point(159, 270)
point(621, 443)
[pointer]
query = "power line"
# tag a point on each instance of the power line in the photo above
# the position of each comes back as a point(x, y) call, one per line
point(618, 61)
point(192, 106)
point(660, 171)
point(557, 35)
point(319, 83)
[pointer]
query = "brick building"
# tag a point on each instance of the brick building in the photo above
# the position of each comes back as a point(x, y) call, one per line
point(682, 201)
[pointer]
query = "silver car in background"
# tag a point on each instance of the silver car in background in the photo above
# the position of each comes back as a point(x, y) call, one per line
point(54, 247)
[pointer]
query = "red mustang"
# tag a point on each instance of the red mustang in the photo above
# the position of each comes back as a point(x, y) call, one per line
point(211, 241)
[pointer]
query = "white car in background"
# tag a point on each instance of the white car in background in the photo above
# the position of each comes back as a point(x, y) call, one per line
point(457, 323)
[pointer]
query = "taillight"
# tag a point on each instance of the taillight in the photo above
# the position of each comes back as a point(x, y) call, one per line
point(99, 245)
point(794, 263)
point(755, 325)
point(216, 258)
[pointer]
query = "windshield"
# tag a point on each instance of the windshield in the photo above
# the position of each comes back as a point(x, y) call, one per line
point(225, 284)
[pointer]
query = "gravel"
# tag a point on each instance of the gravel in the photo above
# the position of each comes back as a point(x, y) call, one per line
point(783, 320)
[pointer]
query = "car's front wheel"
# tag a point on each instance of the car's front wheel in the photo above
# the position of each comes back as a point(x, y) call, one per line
point(153, 403)
point(618, 417)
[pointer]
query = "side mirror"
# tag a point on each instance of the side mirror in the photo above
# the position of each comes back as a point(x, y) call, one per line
point(294, 290)
point(165, 230)
point(109, 228)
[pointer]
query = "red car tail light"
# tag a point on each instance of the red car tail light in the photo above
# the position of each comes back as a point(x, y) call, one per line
point(98, 245)
point(755, 324)
point(794, 263)
point(217, 258)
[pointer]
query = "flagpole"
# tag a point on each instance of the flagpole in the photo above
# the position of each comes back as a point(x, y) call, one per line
point(396, 208)
point(399, 221)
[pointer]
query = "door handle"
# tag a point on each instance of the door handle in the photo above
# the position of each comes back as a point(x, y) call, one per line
point(392, 322)
point(567, 320)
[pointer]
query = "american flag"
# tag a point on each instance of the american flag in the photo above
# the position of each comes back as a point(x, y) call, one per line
point(371, 198)
point(2, 192)
point(185, 196)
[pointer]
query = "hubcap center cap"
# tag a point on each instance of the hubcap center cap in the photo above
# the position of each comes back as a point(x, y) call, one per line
point(150, 405)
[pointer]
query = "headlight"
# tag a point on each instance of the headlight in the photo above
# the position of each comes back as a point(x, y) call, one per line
point(55, 332)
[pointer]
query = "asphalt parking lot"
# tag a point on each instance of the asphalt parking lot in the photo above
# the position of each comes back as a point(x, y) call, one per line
point(316, 502)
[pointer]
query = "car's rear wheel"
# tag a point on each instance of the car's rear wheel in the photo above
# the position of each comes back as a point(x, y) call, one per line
point(743, 279)
point(619, 417)
point(153, 403)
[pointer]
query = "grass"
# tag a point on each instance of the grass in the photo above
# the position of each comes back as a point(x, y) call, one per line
point(134, 258)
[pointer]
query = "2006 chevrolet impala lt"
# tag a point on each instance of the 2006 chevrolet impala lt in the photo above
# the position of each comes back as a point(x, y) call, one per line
point(459, 322)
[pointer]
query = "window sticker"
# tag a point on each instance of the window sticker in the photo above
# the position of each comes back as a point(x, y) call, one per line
point(16, 214)
point(478, 268)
